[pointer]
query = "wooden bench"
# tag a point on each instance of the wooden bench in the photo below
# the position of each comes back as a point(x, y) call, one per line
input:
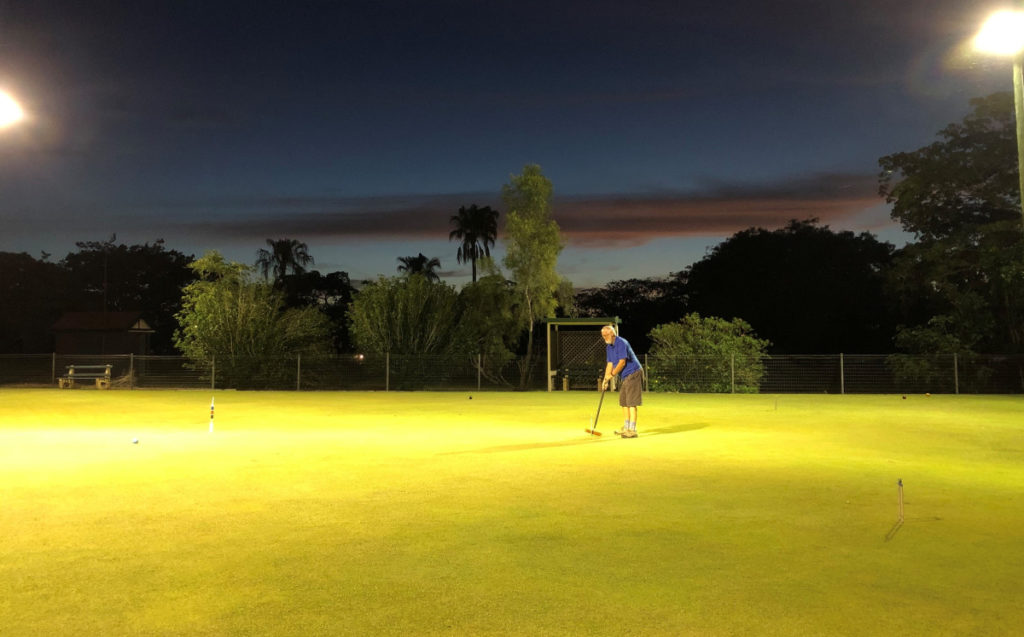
point(98, 373)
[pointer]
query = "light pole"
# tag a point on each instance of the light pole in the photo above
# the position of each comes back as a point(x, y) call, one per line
point(1003, 34)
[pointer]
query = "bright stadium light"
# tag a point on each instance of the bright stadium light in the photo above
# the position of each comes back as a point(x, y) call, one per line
point(1003, 34)
point(10, 110)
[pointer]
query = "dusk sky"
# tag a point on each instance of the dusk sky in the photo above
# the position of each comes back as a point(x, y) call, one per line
point(360, 128)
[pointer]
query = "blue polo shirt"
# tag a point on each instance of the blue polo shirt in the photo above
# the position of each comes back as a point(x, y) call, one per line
point(621, 349)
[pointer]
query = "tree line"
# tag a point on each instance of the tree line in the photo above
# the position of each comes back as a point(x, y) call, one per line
point(958, 287)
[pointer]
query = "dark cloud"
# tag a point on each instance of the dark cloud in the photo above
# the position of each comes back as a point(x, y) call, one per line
point(390, 217)
point(717, 209)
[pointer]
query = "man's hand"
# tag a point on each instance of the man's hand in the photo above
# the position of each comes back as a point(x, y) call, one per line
point(607, 381)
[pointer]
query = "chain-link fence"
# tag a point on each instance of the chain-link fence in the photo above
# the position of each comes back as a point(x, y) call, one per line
point(370, 372)
point(832, 374)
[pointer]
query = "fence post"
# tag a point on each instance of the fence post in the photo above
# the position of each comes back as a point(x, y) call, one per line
point(956, 375)
point(647, 386)
point(479, 364)
point(732, 372)
point(842, 375)
point(387, 371)
point(53, 368)
point(131, 370)
point(213, 372)
point(298, 372)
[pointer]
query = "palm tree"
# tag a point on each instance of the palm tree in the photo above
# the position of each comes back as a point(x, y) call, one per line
point(477, 228)
point(420, 265)
point(284, 256)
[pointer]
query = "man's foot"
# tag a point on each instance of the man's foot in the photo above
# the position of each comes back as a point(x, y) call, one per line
point(629, 433)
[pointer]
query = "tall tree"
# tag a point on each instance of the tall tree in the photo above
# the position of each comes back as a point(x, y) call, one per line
point(33, 293)
point(420, 264)
point(960, 197)
point(406, 316)
point(534, 242)
point(244, 324)
point(476, 228)
point(330, 294)
point(487, 324)
point(710, 354)
point(285, 256)
point(964, 182)
point(148, 278)
point(409, 318)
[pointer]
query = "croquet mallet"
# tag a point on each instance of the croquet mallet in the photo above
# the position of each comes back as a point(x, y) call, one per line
point(593, 423)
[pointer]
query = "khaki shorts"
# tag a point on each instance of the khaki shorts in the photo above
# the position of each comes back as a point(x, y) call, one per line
point(630, 390)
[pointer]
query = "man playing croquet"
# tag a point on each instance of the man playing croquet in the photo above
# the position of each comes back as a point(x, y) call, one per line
point(622, 361)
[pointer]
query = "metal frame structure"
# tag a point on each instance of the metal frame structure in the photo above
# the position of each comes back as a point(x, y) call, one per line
point(614, 321)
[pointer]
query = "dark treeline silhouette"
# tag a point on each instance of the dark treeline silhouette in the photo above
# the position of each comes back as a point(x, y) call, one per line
point(105, 276)
point(804, 288)
point(33, 295)
point(100, 276)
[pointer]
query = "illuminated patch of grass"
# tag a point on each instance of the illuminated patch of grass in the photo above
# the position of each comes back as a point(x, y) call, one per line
point(432, 514)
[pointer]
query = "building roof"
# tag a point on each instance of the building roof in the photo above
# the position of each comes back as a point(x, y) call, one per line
point(101, 322)
point(593, 320)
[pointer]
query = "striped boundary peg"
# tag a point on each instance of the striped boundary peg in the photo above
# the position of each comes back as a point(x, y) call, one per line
point(899, 484)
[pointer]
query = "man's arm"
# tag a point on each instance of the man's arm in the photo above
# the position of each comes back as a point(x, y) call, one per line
point(610, 371)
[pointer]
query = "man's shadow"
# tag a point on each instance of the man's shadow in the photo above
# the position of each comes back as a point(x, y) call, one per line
point(582, 440)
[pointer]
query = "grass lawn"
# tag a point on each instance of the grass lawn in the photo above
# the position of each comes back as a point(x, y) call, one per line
point(437, 514)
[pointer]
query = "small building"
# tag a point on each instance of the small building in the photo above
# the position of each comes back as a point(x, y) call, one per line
point(102, 333)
